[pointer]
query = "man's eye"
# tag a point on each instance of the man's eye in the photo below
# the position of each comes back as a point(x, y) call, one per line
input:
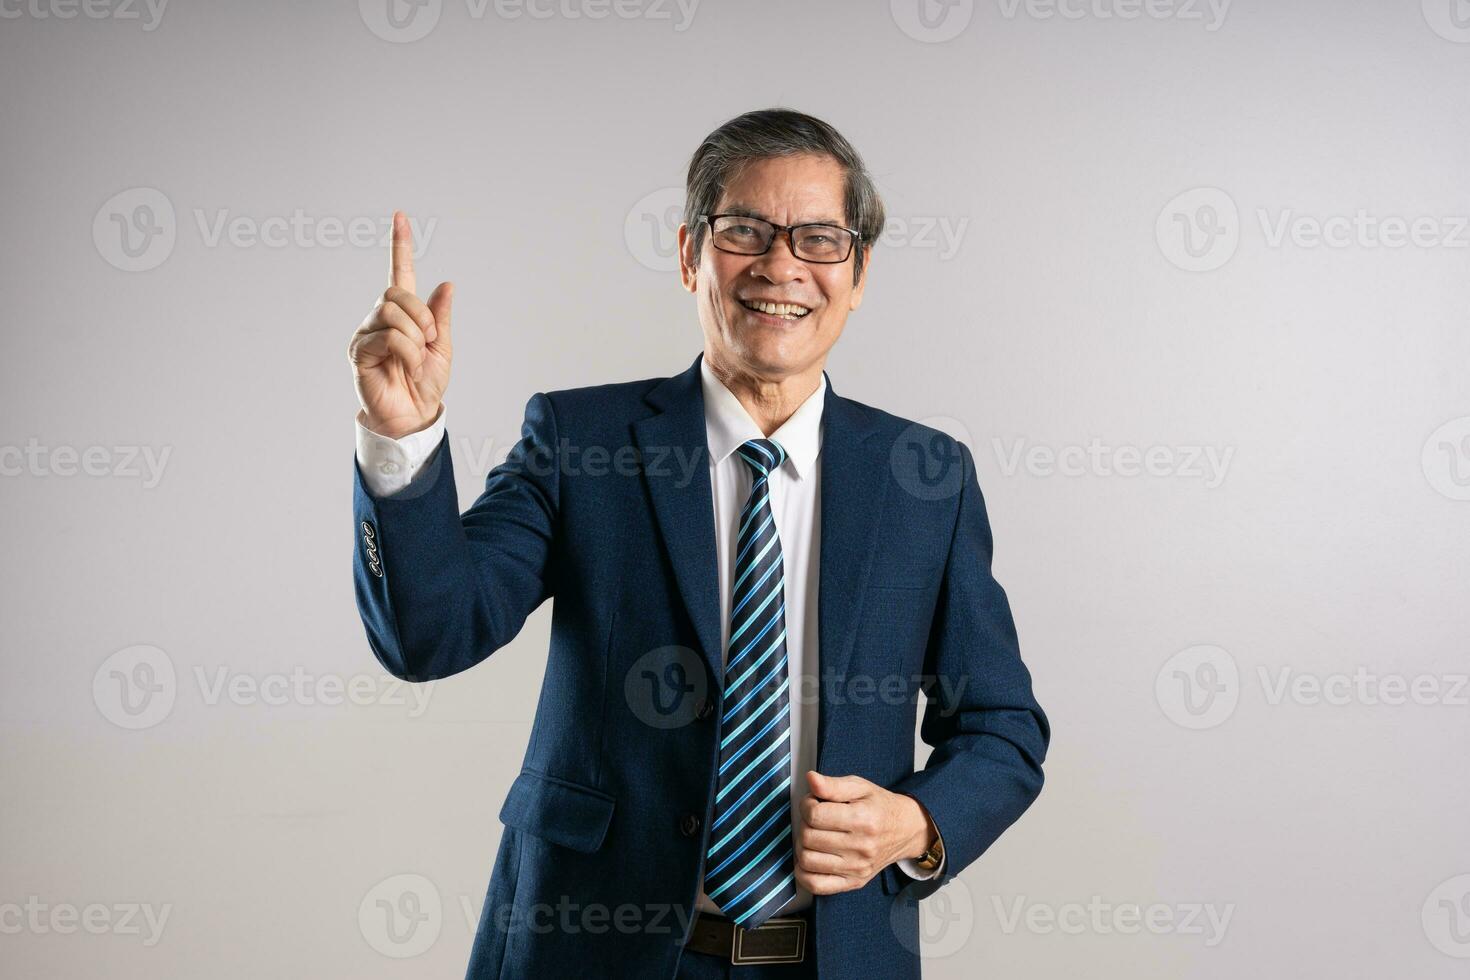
point(742, 230)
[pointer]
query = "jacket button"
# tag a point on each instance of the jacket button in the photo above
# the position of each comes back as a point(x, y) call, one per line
point(704, 709)
point(689, 824)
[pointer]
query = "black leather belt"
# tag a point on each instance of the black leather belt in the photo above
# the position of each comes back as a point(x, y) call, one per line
point(777, 940)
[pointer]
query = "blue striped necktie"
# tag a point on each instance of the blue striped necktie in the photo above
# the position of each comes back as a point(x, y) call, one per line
point(750, 865)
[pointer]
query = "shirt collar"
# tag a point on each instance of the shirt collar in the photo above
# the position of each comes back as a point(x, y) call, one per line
point(728, 425)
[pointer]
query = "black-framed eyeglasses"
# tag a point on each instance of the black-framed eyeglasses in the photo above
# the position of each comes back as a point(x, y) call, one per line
point(741, 234)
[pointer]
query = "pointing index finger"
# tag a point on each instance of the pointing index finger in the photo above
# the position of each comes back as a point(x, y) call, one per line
point(402, 253)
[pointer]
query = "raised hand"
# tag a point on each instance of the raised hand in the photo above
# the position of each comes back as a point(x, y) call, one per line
point(400, 354)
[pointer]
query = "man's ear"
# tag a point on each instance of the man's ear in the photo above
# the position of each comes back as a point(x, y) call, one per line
point(687, 263)
point(857, 291)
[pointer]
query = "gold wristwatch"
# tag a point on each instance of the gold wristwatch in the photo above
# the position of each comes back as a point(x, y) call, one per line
point(932, 856)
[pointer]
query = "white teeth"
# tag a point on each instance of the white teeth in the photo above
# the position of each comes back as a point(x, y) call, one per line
point(790, 310)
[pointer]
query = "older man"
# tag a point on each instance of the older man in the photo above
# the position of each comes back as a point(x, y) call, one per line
point(751, 586)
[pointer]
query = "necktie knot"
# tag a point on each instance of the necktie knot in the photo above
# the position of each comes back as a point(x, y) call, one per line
point(763, 455)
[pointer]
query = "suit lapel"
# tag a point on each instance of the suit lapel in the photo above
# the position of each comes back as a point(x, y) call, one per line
point(854, 480)
point(671, 443)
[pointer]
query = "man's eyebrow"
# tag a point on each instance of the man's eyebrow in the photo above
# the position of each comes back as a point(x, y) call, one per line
point(746, 212)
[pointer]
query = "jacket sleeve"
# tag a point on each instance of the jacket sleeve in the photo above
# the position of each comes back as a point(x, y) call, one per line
point(439, 591)
point(989, 736)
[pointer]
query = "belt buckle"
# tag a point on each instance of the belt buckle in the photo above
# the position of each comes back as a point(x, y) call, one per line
point(795, 925)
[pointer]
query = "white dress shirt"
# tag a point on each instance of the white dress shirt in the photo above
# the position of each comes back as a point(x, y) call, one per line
point(389, 465)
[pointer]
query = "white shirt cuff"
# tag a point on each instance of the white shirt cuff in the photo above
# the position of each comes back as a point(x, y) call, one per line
point(388, 465)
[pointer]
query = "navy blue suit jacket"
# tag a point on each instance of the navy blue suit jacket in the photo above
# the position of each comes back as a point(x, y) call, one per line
point(598, 507)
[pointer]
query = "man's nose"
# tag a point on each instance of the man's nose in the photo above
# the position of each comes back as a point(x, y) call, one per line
point(779, 263)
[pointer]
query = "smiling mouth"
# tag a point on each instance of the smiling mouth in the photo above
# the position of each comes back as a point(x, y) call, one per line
point(783, 311)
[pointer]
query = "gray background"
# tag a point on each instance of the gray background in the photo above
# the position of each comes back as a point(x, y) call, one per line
point(1064, 155)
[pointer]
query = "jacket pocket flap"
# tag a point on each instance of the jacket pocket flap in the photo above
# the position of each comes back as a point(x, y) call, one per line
point(553, 809)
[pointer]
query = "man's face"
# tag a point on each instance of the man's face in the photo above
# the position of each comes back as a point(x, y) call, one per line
point(786, 190)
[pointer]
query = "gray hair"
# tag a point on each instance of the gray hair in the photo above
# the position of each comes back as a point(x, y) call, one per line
point(767, 133)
